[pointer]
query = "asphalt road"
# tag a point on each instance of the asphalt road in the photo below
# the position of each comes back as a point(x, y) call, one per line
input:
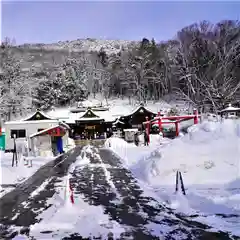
point(120, 195)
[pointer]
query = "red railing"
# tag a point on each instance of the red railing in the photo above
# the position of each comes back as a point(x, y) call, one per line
point(175, 119)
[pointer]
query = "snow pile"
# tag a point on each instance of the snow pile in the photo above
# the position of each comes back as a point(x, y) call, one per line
point(208, 158)
point(210, 150)
point(132, 154)
point(70, 145)
point(14, 175)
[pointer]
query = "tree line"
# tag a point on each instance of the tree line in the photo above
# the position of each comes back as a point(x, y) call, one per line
point(201, 65)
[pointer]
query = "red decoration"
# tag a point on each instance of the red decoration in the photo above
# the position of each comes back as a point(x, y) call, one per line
point(176, 119)
point(57, 132)
point(159, 122)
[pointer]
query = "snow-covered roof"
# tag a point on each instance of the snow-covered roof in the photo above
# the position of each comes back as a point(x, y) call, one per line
point(106, 115)
point(116, 108)
point(137, 109)
point(118, 121)
point(94, 115)
point(90, 119)
point(38, 112)
point(230, 108)
point(45, 130)
point(64, 124)
point(29, 122)
point(89, 115)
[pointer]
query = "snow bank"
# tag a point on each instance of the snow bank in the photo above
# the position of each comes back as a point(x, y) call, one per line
point(208, 157)
point(210, 150)
point(132, 154)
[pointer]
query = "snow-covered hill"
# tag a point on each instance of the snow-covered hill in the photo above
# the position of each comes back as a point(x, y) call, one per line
point(86, 45)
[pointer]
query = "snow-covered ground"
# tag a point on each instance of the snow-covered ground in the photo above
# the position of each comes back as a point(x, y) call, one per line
point(14, 175)
point(10, 176)
point(208, 158)
point(66, 218)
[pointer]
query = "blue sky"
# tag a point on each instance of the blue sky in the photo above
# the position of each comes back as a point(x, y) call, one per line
point(45, 21)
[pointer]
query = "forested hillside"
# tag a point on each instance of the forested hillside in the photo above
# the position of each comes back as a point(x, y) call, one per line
point(200, 65)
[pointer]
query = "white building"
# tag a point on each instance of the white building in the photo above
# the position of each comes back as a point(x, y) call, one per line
point(25, 128)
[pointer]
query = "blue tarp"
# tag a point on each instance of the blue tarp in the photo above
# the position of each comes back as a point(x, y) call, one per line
point(59, 144)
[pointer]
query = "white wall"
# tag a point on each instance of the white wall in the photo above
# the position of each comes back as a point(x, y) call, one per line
point(31, 127)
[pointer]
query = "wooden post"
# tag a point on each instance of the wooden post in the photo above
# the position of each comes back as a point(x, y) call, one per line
point(182, 185)
point(14, 158)
point(195, 113)
point(177, 128)
point(176, 187)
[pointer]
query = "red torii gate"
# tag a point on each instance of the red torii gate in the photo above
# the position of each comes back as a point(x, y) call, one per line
point(177, 119)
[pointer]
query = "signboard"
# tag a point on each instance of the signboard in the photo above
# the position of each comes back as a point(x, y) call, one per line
point(90, 127)
point(57, 132)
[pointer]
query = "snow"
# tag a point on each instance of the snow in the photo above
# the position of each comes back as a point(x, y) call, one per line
point(211, 146)
point(230, 108)
point(65, 218)
point(117, 107)
point(82, 218)
point(69, 145)
point(208, 158)
point(90, 44)
point(29, 122)
point(14, 175)
point(44, 114)
point(40, 188)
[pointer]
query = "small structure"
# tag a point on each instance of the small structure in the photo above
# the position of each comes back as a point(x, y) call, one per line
point(137, 117)
point(49, 141)
point(230, 112)
point(26, 127)
point(91, 125)
point(129, 134)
